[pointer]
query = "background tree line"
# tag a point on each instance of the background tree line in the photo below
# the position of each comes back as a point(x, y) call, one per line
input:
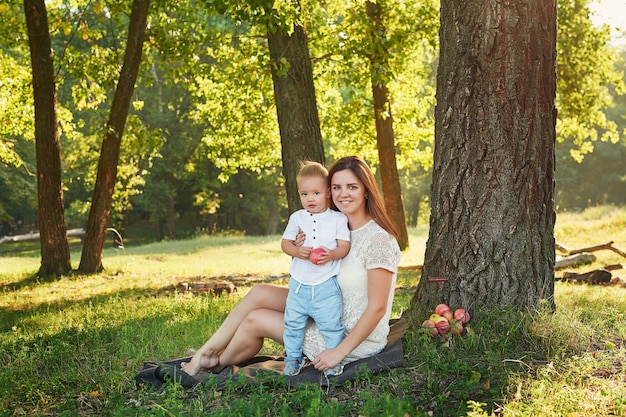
point(201, 148)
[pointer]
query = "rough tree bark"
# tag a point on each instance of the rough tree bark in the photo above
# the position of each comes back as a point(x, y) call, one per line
point(55, 251)
point(91, 259)
point(492, 210)
point(296, 106)
point(385, 138)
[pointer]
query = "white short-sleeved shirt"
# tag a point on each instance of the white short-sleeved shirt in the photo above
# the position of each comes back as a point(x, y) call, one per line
point(371, 247)
point(321, 229)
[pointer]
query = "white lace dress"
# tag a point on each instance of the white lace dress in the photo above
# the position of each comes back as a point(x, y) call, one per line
point(371, 247)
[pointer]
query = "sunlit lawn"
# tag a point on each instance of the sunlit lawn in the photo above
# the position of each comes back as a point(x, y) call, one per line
point(72, 346)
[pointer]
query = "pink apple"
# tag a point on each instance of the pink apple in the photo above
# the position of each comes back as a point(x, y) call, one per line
point(316, 254)
point(448, 315)
point(442, 326)
point(429, 326)
point(456, 327)
point(441, 308)
point(462, 315)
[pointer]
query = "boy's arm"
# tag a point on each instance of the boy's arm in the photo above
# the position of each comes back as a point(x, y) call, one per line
point(291, 249)
point(343, 247)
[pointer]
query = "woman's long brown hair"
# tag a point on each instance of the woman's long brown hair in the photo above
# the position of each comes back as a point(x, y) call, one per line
point(373, 203)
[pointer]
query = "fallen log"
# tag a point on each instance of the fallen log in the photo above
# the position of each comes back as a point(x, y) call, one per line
point(80, 232)
point(594, 248)
point(595, 277)
point(574, 260)
point(216, 288)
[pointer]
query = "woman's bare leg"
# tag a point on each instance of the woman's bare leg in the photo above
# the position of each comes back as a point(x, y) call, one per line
point(248, 340)
point(261, 297)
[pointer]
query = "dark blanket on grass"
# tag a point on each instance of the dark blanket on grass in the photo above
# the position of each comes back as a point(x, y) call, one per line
point(264, 369)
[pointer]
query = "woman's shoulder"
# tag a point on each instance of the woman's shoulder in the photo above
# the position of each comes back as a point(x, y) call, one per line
point(374, 229)
point(380, 249)
point(376, 236)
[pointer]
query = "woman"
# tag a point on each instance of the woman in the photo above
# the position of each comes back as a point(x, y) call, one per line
point(367, 279)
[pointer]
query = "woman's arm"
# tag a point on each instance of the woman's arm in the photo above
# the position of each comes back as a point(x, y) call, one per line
point(378, 286)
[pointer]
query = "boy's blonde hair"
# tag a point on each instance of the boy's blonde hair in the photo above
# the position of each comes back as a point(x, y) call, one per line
point(312, 169)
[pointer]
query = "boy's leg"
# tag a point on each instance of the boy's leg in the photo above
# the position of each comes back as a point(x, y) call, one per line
point(327, 309)
point(295, 321)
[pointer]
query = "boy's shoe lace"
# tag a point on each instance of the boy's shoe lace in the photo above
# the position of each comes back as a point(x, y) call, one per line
point(292, 368)
point(337, 370)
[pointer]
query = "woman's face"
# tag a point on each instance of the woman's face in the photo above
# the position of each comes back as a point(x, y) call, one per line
point(347, 192)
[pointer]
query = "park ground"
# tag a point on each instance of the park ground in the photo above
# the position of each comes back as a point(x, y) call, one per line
point(72, 346)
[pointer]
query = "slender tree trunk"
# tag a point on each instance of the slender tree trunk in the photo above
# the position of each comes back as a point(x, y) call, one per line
point(492, 211)
point(171, 217)
point(296, 106)
point(414, 211)
point(385, 138)
point(55, 251)
point(274, 218)
point(91, 260)
point(158, 229)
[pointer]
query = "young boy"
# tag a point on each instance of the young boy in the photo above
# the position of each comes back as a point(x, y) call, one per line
point(313, 288)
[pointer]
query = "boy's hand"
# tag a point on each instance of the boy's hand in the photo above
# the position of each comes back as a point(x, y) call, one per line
point(319, 256)
point(304, 252)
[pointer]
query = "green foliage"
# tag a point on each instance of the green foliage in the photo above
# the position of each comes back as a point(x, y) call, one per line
point(204, 112)
point(18, 188)
point(585, 71)
point(235, 103)
point(16, 101)
point(339, 34)
point(600, 177)
point(17, 163)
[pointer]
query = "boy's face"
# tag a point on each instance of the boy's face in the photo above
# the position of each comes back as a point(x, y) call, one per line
point(313, 193)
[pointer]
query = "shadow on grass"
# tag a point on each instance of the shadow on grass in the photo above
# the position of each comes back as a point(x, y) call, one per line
point(19, 285)
point(11, 315)
point(79, 371)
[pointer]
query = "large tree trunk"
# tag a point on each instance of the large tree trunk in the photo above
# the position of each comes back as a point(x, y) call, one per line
point(385, 138)
point(55, 251)
point(91, 260)
point(492, 211)
point(296, 106)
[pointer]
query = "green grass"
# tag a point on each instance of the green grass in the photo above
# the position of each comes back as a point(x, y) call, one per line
point(72, 346)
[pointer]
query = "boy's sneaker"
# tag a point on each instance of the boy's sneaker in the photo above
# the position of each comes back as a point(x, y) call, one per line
point(292, 368)
point(337, 370)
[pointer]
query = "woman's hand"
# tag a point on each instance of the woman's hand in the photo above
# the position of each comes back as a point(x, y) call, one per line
point(299, 238)
point(328, 359)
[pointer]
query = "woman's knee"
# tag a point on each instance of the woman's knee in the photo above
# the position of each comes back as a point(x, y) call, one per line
point(253, 320)
point(257, 292)
point(264, 323)
point(267, 296)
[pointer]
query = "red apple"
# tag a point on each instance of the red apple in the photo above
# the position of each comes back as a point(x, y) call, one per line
point(462, 315)
point(456, 327)
point(316, 254)
point(441, 308)
point(429, 326)
point(448, 315)
point(436, 318)
point(442, 326)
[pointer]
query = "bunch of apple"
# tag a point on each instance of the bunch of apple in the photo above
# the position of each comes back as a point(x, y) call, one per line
point(444, 321)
